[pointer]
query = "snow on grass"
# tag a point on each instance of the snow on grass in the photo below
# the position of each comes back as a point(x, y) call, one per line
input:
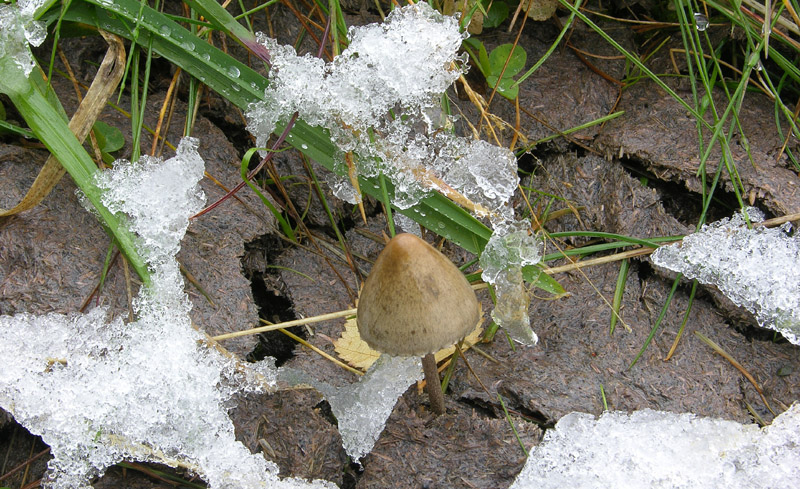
point(380, 101)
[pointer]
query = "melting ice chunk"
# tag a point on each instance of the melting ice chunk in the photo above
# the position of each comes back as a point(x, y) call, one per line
point(485, 174)
point(758, 269)
point(363, 407)
point(378, 100)
point(102, 392)
point(510, 244)
point(406, 224)
point(658, 449)
point(509, 249)
point(403, 62)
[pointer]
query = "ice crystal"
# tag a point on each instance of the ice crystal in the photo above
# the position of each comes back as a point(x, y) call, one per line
point(657, 449)
point(406, 224)
point(142, 189)
point(758, 269)
point(17, 30)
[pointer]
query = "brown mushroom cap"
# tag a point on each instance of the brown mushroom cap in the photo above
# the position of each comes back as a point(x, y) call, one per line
point(415, 301)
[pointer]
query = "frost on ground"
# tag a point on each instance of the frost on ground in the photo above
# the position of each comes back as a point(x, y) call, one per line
point(379, 100)
point(665, 450)
point(99, 391)
point(758, 269)
point(362, 408)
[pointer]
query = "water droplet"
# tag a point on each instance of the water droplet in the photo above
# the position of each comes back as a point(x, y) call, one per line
point(422, 214)
point(233, 71)
point(304, 146)
point(440, 225)
point(165, 30)
point(188, 45)
point(700, 21)
point(206, 56)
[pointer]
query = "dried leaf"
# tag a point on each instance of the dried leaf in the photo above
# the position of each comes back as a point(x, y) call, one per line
point(540, 9)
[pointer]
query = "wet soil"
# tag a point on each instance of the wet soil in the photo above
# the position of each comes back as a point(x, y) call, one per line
point(635, 175)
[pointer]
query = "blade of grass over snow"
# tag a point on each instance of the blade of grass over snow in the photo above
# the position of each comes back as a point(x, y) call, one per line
point(241, 85)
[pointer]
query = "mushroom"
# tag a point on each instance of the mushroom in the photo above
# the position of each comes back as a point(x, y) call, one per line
point(414, 303)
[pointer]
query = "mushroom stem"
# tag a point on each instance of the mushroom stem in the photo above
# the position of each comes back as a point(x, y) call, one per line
point(432, 384)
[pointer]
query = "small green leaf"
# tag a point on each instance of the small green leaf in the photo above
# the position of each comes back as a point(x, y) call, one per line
point(109, 138)
point(498, 12)
point(498, 56)
point(504, 87)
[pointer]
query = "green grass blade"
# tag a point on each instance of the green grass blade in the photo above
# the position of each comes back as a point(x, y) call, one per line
point(243, 168)
point(634, 60)
point(619, 237)
point(618, 292)
point(661, 315)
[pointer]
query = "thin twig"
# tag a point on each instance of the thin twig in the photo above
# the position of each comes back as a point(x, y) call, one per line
point(736, 364)
point(287, 324)
point(320, 352)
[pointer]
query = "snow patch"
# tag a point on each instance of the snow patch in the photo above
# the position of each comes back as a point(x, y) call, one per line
point(758, 269)
point(99, 391)
point(664, 450)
